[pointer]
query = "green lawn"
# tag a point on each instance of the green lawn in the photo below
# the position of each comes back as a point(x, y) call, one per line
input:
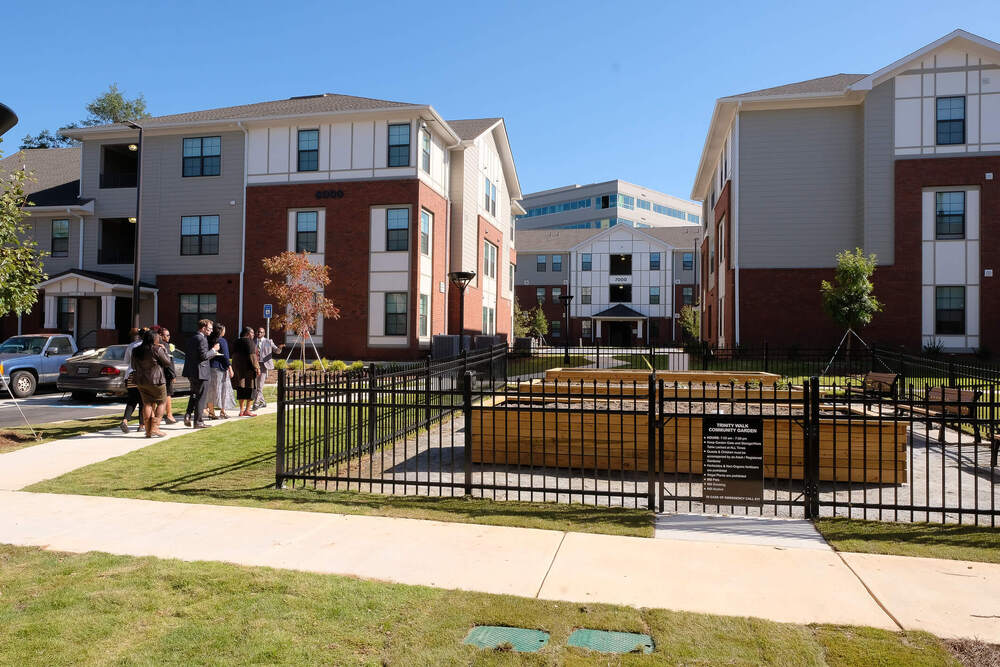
point(96, 608)
point(530, 365)
point(929, 540)
point(233, 464)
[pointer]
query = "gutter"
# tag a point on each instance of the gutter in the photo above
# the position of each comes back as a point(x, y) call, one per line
point(243, 222)
point(735, 194)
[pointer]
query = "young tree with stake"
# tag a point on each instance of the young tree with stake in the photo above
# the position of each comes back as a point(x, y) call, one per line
point(299, 296)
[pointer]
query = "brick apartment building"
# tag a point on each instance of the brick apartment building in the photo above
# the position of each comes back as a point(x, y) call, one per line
point(903, 162)
point(388, 194)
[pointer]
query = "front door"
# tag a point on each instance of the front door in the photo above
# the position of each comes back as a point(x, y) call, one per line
point(123, 318)
point(620, 333)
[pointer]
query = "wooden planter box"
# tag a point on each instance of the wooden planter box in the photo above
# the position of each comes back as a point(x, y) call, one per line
point(642, 376)
point(670, 392)
point(864, 452)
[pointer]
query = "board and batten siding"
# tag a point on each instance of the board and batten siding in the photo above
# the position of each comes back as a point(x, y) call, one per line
point(800, 195)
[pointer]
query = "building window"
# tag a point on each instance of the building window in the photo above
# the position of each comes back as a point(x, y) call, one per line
point(540, 294)
point(308, 150)
point(588, 329)
point(540, 262)
point(117, 241)
point(119, 165)
point(511, 276)
point(202, 156)
point(654, 261)
point(950, 307)
point(556, 293)
point(426, 220)
point(586, 261)
point(621, 265)
point(200, 235)
point(489, 260)
point(196, 307)
point(687, 296)
point(711, 257)
point(424, 325)
point(399, 145)
point(950, 215)
point(425, 151)
point(586, 294)
point(557, 263)
point(620, 293)
point(397, 229)
point(950, 120)
point(493, 199)
point(490, 196)
point(66, 314)
point(654, 295)
point(306, 226)
point(607, 201)
point(489, 321)
point(555, 326)
point(395, 314)
point(60, 238)
point(687, 261)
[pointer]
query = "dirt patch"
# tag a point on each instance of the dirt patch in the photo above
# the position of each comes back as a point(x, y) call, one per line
point(14, 440)
point(974, 653)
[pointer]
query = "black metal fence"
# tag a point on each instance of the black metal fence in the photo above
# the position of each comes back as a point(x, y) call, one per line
point(491, 424)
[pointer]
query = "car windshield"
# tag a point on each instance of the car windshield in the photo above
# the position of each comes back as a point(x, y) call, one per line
point(114, 353)
point(23, 344)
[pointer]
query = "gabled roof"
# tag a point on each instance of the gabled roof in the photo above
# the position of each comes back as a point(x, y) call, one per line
point(55, 175)
point(974, 41)
point(548, 240)
point(470, 128)
point(836, 83)
point(620, 311)
point(109, 279)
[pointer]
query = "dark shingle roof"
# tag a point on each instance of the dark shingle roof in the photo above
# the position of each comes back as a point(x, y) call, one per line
point(470, 128)
point(111, 278)
point(824, 84)
point(307, 104)
point(621, 310)
point(55, 173)
point(547, 240)
point(681, 236)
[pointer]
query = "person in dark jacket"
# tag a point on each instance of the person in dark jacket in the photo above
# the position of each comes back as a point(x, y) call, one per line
point(219, 391)
point(246, 368)
point(151, 365)
point(197, 371)
point(132, 400)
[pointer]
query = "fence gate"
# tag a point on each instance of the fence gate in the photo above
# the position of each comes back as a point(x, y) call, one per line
point(737, 449)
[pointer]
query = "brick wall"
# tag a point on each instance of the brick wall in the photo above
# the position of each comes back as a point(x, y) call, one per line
point(225, 287)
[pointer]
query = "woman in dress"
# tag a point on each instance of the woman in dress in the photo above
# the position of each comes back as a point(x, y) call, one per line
point(150, 362)
point(220, 392)
point(245, 368)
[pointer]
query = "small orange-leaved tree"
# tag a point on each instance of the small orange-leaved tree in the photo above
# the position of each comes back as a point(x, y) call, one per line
point(299, 296)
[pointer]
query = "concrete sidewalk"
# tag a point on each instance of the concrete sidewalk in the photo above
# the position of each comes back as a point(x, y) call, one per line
point(30, 465)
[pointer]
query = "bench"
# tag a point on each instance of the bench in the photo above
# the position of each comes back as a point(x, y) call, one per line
point(875, 385)
point(948, 404)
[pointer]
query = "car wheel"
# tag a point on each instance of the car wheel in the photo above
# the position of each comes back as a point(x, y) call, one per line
point(83, 396)
point(23, 383)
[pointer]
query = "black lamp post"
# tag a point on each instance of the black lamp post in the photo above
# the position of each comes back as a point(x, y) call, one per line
point(138, 228)
point(461, 280)
point(8, 118)
point(566, 298)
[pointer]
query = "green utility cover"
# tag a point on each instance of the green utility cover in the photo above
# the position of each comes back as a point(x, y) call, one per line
point(522, 640)
point(611, 642)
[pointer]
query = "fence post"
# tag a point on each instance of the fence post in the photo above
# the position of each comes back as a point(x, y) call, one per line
point(811, 471)
point(704, 355)
point(652, 352)
point(427, 390)
point(952, 379)
point(901, 365)
point(465, 361)
point(467, 429)
point(598, 364)
point(371, 406)
point(651, 450)
point(279, 454)
point(765, 357)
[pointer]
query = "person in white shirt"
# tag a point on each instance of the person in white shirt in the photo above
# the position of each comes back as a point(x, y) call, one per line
point(266, 349)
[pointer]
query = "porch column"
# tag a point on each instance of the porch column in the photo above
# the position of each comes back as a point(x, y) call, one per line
point(639, 330)
point(598, 335)
point(107, 312)
point(50, 313)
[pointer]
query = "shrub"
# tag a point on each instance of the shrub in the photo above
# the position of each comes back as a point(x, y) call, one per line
point(280, 364)
point(934, 348)
point(296, 365)
point(356, 366)
point(337, 366)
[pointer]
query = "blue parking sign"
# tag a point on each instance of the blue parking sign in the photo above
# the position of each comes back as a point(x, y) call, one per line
point(267, 311)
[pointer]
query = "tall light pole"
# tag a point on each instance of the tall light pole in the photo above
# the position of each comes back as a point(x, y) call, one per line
point(461, 280)
point(138, 228)
point(566, 298)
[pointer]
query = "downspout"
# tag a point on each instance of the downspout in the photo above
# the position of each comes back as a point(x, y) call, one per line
point(734, 210)
point(243, 223)
point(80, 262)
point(447, 236)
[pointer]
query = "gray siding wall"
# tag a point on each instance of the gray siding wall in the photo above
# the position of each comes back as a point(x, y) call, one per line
point(40, 229)
point(527, 263)
point(800, 186)
point(166, 196)
point(689, 277)
point(878, 172)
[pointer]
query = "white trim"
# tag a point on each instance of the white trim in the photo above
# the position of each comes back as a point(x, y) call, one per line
point(868, 82)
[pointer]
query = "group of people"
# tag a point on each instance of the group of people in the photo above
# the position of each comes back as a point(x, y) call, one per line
point(219, 377)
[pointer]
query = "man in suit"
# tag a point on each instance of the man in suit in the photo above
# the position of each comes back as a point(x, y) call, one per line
point(266, 349)
point(197, 371)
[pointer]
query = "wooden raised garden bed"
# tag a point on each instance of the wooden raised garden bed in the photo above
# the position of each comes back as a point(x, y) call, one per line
point(671, 392)
point(523, 432)
point(642, 376)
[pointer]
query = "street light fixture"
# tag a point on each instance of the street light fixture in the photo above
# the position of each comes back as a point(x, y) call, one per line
point(8, 118)
point(566, 298)
point(461, 280)
point(138, 228)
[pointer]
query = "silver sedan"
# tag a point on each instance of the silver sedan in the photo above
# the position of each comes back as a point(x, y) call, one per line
point(103, 372)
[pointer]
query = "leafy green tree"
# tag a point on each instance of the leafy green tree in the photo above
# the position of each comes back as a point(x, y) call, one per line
point(850, 300)
point(109, 107)
point(539, 323)
point(691, 323)
point(522, 321)
point(20, 259)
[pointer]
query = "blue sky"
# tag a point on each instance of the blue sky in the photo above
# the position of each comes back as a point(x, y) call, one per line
point(590, 90)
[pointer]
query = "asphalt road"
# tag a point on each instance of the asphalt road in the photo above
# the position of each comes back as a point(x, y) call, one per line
point(50, 405)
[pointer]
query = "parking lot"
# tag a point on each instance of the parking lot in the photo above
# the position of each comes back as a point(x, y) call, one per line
point(50, 405)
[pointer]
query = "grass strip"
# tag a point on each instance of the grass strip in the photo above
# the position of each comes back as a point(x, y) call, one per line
point(927, 540)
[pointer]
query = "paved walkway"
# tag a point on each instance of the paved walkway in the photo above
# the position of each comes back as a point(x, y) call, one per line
point(745, 567)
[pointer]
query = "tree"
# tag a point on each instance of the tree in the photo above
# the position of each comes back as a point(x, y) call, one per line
point(20, 259)
point(109, 107)
point(850, 300)
point(539, 325)
point(299, 295)
point(691, 323)
point(522, 321)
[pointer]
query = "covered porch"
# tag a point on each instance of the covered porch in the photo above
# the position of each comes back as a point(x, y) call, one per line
point(95, 307)
point(620, 326)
